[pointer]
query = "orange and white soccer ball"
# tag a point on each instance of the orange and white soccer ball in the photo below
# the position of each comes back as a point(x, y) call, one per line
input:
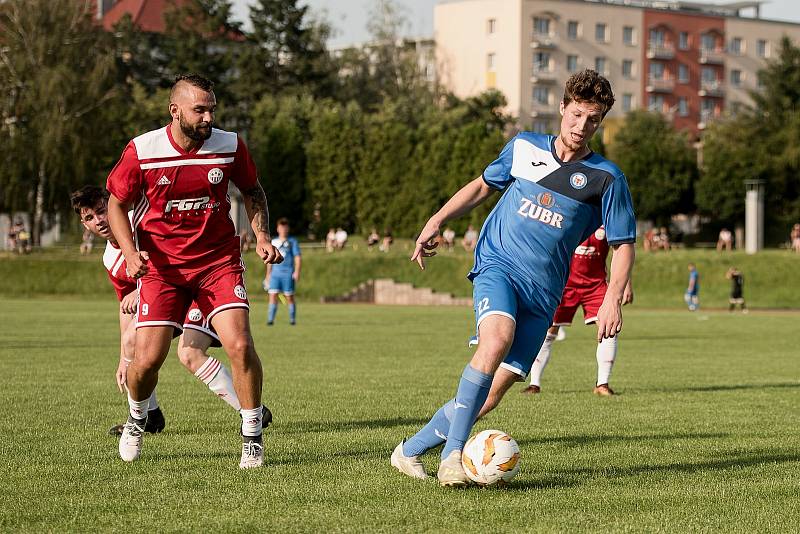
point(491, 457)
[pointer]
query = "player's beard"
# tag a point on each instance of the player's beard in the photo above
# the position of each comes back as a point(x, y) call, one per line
point(198, 132)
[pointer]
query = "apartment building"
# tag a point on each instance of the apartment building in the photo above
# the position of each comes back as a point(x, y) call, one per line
point(688, 60)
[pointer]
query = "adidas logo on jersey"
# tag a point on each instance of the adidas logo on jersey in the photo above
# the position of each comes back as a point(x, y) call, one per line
point(163, 181)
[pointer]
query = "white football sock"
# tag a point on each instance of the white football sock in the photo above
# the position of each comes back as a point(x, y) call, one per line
point(219, 381)
point(541, 360)
point(251, 422)
point(138, 409)
point(152, 402)
point(606, 354)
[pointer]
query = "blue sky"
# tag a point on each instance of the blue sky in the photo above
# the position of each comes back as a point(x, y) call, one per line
point(349, 17)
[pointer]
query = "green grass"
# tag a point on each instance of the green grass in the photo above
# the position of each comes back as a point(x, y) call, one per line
point(703, 436)
point(659, 279)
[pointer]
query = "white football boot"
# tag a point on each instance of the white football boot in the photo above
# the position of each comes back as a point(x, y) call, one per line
point(252, 455)
point(130, 443)
point(408, 465)
point(451, 472)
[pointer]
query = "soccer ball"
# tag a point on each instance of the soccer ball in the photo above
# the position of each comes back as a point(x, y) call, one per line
point(491, 457)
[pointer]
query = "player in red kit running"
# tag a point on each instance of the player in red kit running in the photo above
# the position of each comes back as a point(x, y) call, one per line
point(585, 287)
point(91, 205)
point(184, 248)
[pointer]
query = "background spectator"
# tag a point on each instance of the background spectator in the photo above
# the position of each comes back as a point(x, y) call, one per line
point(373, 238)
point(330, 240)
point(794, 238)
point(387, 241)
point(470, 239)
point(448, 238)
point(87, 242)
point(341, 238)
point(725, 240)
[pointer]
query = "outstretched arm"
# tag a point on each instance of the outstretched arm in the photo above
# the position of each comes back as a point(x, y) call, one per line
point(255, 203)
point(609, 317)
point(462, 202)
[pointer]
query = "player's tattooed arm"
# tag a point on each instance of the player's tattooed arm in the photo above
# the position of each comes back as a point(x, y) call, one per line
point(256, 203)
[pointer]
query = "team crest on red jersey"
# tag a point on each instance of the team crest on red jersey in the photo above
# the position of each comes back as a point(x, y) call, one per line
point(600, 233)
point(195, 315)
point(240, 292)
point(215, 175)
point(545, 199)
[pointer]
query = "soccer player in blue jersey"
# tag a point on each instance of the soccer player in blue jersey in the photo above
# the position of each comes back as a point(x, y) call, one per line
point(555, 193)
point(281, 278)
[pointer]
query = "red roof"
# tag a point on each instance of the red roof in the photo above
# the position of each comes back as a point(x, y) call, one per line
point(148, 15)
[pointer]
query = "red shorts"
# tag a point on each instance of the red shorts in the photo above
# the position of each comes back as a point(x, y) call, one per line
point(195, 320)
point(591, 298)
point(190, 299)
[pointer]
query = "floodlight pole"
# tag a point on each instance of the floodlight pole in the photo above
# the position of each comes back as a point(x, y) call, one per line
point(754, 215)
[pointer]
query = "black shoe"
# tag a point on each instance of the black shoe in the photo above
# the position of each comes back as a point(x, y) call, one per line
point(155, 421)
point(269, 323)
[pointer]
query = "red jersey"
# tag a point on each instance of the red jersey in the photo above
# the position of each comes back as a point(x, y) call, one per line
point(181, 213)
point(588, 266)
point(115, 265)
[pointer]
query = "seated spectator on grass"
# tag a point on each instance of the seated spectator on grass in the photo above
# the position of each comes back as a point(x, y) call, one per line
point(661, 240)
point(470, 239)
point(448, 238)
point(341, 238)
point(794, 238)
point(372, 239)
point(87, 242)
point(387, 241)
point(725, 240)
point(330, 240)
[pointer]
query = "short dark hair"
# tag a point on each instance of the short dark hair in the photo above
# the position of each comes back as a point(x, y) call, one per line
point(282, 221)
point(589, 86)
point(193, 79)
point(88, 196)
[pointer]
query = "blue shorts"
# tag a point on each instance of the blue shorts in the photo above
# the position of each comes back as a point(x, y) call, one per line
point(281, 283)
point(496, 293)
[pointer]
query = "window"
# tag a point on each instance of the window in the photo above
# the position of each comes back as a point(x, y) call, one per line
point(708, 42)
point(683, 73)
point(627, 68)
point(490, 61)
point(572, 63)
point(541, 26)
point(657, 38)
point(541, 126)
point(707, 107)
point(572, 29)
point(683, 107)
point(657, 70)
point(491, 26)
point(708, 75)
point(762, 48)
point(541, 62)
point(683, 41)
point(628, 37)
point(541, 95)
point(655, 103)
point(737, 46)
point(600, 65)
point(627, 102)
point(600, 33)
point(736, 78)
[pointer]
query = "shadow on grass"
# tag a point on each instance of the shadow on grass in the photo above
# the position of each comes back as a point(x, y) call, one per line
point(343, 426)
point(738, 387)
point(589, 439)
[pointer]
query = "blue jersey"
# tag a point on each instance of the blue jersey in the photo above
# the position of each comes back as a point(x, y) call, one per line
point(547, 209)
point(693, 277)
point(289, 249)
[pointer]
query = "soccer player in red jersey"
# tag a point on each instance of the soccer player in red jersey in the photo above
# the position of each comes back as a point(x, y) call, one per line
point(586, 286)
point(91, 204)
point(184, 248)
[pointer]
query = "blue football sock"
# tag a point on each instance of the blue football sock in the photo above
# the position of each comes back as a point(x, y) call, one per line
point(470, 397)
point(433, 434)
point(273, 309)
point(291, 313)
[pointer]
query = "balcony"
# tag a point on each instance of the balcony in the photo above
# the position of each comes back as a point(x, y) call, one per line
point(706, 116)
point(660, 51)
point(714, 88)
point(660, 85)
point(542, 74)
point(542, 111)
point(712, 57)
point(543, 41)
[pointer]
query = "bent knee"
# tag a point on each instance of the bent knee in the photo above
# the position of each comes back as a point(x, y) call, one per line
point(192, 358)
point(242, 347)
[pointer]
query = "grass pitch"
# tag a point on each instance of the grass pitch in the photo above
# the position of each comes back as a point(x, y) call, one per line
point(703, 436)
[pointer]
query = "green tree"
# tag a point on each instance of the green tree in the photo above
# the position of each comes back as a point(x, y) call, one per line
point(659, 163)
point(58, 74)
